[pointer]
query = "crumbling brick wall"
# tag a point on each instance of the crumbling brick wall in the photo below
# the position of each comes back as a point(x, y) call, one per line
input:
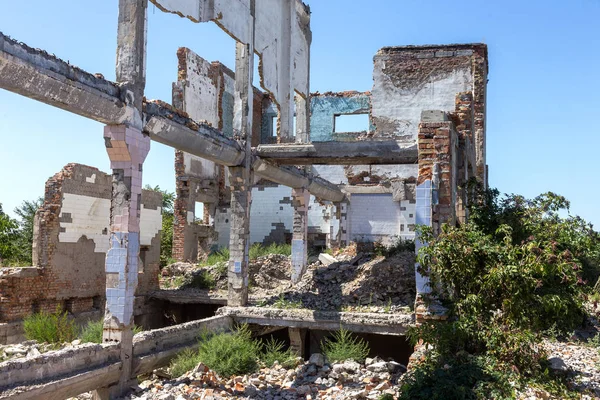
point(71, 238)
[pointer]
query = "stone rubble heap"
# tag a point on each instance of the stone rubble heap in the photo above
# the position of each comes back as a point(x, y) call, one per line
point(362, 283)
point(315, 379)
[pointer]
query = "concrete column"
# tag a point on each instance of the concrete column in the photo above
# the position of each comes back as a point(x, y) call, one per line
point(240, 176)
point(127, 149)
point(286, 101)
point(297, 340)
point(300, 201)
point(302, 119)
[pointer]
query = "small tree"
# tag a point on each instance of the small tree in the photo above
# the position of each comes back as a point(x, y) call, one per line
point(166, 238)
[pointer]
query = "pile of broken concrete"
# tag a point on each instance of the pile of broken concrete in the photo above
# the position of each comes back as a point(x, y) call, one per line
point(360, 282)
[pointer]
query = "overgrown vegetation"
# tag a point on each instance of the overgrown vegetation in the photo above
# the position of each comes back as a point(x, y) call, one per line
point(54, 328)
point(518, 268)
point(201, 280)
point(274, 350)
point(344, 346)
point(231, 353)
point(16, 235)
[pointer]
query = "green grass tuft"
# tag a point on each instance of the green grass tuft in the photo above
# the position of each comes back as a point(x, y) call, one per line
point(52, 328)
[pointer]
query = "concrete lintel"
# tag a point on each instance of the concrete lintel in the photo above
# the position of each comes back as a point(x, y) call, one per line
point(376, 189)
point(341, 153)
point(284, 176)
point(166, 126)
point(38, 75)
point(383, 324)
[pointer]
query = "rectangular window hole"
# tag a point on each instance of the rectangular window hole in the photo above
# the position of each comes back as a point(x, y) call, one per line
point(347, 123)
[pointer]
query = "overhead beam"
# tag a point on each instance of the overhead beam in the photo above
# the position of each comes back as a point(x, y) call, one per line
point(38, 75)
point(172, 127)
point(340, 153)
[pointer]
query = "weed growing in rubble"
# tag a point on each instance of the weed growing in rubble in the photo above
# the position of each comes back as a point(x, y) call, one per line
point(52, 328)
point(399, 246)
point(274, 350)
point(184, 362)
point(344, 346)
point(216, 257)
point(285, 304)
point(202, 280)
point(258, 250)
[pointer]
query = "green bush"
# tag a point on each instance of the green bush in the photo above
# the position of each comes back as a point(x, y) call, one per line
point(344, 346)
point(184, 362)
point(228, 354)
point(52, 328)
point(273, 350)
point(512, 272)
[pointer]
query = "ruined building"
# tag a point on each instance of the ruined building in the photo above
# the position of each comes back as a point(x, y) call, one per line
point(263, 165)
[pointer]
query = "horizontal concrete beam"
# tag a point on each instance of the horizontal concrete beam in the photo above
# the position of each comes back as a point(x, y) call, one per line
point(169, 126)
point(38, 75)
point(322, 189)
point(383, 324)
point(294, 178)
point(340, 153)
point(284, 176)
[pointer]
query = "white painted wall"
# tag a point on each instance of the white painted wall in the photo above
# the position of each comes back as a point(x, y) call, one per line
point(405, 106)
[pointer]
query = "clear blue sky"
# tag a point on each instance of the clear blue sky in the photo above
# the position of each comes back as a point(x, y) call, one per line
point(543, 95)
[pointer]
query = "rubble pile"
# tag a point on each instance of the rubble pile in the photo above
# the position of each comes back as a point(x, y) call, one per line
point(350, 282)
point(315, 379)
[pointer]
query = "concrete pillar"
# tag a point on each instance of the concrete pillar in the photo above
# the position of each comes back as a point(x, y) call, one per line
point(298, 340)
point(127, 148)
point(302, 119)
point(300, 201)
point(239, 236)
point(240, 176)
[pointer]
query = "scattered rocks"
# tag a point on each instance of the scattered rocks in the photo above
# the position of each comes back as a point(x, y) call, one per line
point(314, 379)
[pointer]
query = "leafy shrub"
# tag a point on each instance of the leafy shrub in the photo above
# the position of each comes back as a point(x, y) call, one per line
point(52, 328)
point(344, 346)
point(231, 353)
point(512, 272)
point(273, 350)
point(92, 332)
point(386, 396)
